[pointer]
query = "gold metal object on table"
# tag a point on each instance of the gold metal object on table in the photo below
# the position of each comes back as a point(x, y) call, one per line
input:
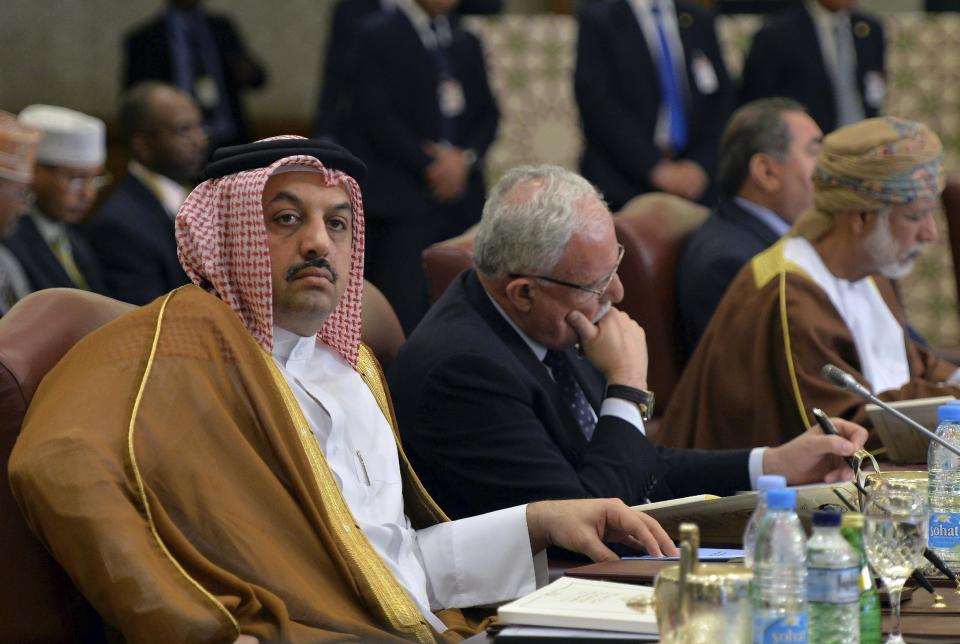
point(938, 601)
point(701, 603)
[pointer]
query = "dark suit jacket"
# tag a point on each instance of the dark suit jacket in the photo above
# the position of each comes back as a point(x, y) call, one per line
point(397, 111)
point(711, 258)
point(147, 54)
point(785, 60)
point(133, 237)
point(42, 267)
point(485, 428)
point(618, 94)
point(336, 92)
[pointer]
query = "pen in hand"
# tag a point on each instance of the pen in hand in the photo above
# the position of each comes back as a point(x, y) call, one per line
point(828, 428)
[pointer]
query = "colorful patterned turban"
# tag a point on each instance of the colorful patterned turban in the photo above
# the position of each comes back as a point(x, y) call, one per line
point(870, 165)
point(222, 240)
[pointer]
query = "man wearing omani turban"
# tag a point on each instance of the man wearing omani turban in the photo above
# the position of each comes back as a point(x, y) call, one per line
point(823, 294)
point(221, 465)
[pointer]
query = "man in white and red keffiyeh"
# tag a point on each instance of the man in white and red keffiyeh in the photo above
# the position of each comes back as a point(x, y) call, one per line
point(232, 460)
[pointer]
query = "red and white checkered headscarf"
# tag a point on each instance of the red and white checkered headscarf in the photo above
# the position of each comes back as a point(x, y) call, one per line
point(222, 245)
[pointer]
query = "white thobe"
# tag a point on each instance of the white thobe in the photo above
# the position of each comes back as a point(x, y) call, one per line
point(478, 560)
point(877, 335)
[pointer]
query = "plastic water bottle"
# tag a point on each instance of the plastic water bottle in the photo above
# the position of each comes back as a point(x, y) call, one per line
point(851, 527)
point(780, 573)
point(833, 583)
point(764, 484)
point(943, 468)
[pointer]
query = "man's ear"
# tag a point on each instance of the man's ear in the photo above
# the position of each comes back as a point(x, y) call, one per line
point(521, 292)
point(140, 148)
point(863, 222)
point(765, 172)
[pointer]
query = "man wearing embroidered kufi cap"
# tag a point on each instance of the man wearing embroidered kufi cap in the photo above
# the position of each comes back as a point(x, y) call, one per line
point(68, 175)
point(18, 151)
point(228, 451)
point(823, 294)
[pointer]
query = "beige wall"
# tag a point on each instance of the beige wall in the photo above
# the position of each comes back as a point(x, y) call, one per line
point(68, 52)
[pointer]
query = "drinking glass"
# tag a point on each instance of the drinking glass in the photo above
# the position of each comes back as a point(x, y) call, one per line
point(894, 537)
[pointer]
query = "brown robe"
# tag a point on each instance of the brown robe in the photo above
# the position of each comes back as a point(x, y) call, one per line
point(749, 385)
point(167, 466)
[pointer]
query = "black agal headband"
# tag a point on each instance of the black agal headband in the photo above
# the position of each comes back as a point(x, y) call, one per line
point(250, 156)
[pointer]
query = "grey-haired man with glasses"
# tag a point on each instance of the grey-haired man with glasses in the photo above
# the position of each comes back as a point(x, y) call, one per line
point(524, 382)
point(68, 176)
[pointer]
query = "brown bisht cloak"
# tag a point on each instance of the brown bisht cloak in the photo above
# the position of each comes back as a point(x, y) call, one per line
point(749, 384)
point(167, 466)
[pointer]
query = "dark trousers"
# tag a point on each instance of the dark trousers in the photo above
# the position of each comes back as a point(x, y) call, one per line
point(393, 259)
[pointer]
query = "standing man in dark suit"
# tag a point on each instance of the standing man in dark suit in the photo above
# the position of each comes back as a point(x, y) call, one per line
point(423, 120)
point(825, 55)
point(336, 91)
point(496, 407)
point(767, 155)
point(67, 178)
point(203, 54)
point(132, 233)
point(653, 93)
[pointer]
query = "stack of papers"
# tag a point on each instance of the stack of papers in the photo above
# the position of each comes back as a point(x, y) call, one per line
point(581, 608)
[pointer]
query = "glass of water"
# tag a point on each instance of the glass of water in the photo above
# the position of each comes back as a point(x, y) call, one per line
point(894, 537)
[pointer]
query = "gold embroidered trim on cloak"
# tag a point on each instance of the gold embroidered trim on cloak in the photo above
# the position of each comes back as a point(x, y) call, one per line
point(788, 352)
point(141, 491)
point(398, 609)
point(372, 374)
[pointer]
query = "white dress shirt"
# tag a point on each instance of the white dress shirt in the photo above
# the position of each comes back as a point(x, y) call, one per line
point(168, 192)
point(770, 219)
point(877, 334)
point(622, 408)
point(479, 560)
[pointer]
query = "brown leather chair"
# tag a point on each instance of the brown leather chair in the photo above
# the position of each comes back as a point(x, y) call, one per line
point(445, 260)
point(951, 211)
point(653, 228)
point(38, 602)
point(380, 329)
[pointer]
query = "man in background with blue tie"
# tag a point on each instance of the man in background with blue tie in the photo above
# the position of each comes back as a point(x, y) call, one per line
point(653, 94)
point(495, 405)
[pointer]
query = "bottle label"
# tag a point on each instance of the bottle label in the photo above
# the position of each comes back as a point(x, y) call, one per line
point(944, 531)
point(833, 585)
point(780, 629)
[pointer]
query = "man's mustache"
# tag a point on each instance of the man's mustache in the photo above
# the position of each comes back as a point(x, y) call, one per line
point(316, 262)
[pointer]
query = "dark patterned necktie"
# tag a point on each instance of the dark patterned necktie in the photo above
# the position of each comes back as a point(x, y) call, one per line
point(571, 391)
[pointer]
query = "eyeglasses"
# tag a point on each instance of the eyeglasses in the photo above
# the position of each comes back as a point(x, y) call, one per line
point(76, 183)
point(598, 288)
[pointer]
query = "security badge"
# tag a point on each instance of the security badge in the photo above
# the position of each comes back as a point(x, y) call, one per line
point(450, 95)
point(207, 93)
point(704, 75)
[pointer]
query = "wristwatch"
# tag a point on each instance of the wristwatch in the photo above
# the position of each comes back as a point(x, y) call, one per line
point(642, 398)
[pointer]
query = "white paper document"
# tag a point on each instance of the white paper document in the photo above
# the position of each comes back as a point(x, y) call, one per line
point(583, 603)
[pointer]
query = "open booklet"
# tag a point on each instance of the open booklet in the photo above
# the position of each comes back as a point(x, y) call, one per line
point(905, 444)
point(722, 519)
point(584, 604)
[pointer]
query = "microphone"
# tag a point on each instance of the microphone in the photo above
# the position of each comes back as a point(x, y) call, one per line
point(843, 380)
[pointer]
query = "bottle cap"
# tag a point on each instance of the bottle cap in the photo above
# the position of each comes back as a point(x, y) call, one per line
point(770, 481)
point(826, 519)
point(852, 520)
point(949, 412)
point(783, 498)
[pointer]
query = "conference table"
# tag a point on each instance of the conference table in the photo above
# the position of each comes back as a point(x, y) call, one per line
point(920, 621)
